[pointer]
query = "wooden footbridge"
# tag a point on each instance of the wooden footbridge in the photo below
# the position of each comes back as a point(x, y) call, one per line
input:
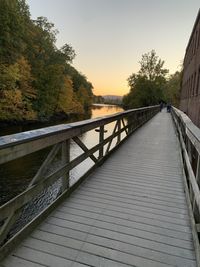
point(138, 205)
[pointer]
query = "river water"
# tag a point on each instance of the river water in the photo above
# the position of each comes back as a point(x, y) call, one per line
point(16, 175)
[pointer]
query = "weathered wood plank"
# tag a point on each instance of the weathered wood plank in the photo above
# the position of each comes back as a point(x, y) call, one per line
point(153, 209)
point(17, 145)
point(15, 261)
point(139, 219)
point(145, 225)
point(129, 199)
point(126, 229)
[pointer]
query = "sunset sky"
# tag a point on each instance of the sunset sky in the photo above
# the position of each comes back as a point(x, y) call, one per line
point(109, 36)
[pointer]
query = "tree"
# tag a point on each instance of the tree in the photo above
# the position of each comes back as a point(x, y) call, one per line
point(9, 76)
point(36, 78)
point(148, 85)
point(151, 67)
point(13, 19)
point(68, 53)
point(47, 29)
point(173, 88)
point(67, 101)
point(25, 80)
point(84, 97)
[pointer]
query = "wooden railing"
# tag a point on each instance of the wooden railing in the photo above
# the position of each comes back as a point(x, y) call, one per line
point(189, 136)
point(59, 139)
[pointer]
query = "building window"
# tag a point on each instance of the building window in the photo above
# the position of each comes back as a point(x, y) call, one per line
point(198, 83)
point(196, 40)
point(193, 45)
point(194, 82)
point(191, 85)
point(198, 37)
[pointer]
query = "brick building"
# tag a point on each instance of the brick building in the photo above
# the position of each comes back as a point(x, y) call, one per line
point(190, 88)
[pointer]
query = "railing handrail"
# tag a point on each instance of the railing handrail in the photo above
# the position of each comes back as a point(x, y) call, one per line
point(17, 145)
point(23, 137)
point(189, 137)
point(192, 131)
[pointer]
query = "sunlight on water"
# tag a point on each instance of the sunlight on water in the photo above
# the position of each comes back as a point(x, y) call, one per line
point(99, 110)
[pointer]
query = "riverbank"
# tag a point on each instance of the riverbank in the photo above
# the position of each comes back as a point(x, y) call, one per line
point(14, 126)
point(55, 119)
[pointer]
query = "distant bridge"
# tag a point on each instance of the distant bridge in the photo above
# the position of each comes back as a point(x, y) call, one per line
point(140, 207)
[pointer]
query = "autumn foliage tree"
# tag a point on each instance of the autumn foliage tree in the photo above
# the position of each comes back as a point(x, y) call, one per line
point(36, 78)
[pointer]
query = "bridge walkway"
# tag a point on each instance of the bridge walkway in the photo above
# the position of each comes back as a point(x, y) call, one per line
point(131, 211)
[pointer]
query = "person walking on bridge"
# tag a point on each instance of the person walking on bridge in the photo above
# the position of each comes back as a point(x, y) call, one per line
point(161, 106)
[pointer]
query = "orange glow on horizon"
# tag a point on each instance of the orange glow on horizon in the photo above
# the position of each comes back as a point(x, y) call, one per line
point(110, 86)
point(110, 91)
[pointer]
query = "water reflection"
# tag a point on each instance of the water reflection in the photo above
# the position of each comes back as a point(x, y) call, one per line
point(91, 138)
point(99, 110)
point(16, 175)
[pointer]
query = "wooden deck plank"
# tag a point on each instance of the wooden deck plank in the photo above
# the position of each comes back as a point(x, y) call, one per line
point(137, 195)
point(145, 185)
point(145, 225)
point(39, 256)
point(59, 250)
point(89, 250)
point(119, 246)
point(126, 230)
point(111, 192)
point(162, 188)
point(124, 179)
point(121, 236)
point(181, 219)
point(127, 223)
point(150, 213)
point(131, 212)
point(15, 261)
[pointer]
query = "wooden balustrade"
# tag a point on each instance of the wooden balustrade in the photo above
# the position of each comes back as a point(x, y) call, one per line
point(189, 136)
point(59, 138)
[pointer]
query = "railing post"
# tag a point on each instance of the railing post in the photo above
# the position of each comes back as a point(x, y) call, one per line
point(101, 138)
point(195, 209)
point(132, 124)
point(129, 122)
point(119, 135)
point(65, 160)
point(189, 149)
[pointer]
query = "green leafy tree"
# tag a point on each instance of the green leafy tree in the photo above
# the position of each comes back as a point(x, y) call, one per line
point(147, 87)
point(68, 53)
point(13, 18)
point(151, 67)
point(173, 88)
